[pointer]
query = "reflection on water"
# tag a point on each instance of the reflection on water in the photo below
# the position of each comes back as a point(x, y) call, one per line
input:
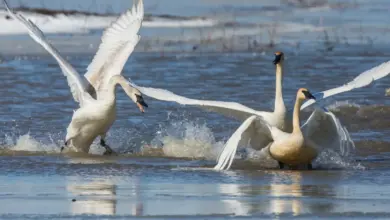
point(287, 197)
point(100, 197)
point(286, 193)
point(97, 198)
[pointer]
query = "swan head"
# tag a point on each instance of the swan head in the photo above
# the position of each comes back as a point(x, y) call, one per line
point(139, 100)
point(279, 57)
point(304, 94)
point(132, 92)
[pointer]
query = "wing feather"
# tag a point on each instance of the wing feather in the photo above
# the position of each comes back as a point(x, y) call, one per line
point(364, 79)
point(326, 131)
point(230, 109)
point(255, 126)
point(117, 43)
point(76, 83)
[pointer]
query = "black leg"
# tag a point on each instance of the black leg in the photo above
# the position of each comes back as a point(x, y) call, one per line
point(63, 147)
point(309, 166)
point(108, 151)
point(281, 165)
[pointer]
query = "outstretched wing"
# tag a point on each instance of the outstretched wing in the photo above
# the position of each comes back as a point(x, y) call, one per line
point(76, 83)
point(118, 42)
point(230, 109)
point(326, 131)
point(253, 127)
point(364, 79)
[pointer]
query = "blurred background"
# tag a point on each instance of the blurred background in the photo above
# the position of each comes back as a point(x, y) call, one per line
point(211, 25)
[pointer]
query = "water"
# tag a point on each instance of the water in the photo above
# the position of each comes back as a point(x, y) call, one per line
point(165, 155)
point(36, 107)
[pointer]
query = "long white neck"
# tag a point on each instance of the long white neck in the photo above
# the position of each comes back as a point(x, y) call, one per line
point(279, 103)
point(115, 80)
point(296, 123)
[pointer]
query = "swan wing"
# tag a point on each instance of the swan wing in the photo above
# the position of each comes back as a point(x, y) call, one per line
point(325, 130)
point(252, 127)
point(76, 83)
point(230, 109)
point(117, 43)
point(362, 80)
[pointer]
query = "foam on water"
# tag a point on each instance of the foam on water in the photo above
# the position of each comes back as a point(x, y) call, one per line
point(52, 143)
point(28, 143)
point(339, 105)
point(187, 139)
point(329, 159)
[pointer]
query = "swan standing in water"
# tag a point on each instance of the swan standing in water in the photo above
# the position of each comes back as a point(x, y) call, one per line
point(323, 128)
point(293, 148)
point(95, 92)
point(250, 131)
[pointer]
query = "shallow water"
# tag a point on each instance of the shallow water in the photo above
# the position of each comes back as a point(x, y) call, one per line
point(36, 107)
point(165, 155)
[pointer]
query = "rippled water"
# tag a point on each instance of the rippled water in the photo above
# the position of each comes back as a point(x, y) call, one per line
point(36, 107)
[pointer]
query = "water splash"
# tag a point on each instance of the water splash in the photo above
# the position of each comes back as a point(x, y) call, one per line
point(187, 139)
point(28, 143)
point(329, 159)
point(340, 105)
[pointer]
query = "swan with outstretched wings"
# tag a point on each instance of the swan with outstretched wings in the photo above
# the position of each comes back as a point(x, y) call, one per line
point(95, 91)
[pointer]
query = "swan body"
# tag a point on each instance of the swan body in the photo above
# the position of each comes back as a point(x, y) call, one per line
point(95, 92)
point(293, 148)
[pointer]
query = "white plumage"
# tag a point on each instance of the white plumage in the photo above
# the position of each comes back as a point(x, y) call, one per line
point(95, 92)
point(362, 80)
point(251, 131)
point(301, 146)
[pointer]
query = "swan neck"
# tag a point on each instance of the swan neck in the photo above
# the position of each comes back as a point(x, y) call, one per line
point(115, 80)
point(279, 103)
point(296, 123)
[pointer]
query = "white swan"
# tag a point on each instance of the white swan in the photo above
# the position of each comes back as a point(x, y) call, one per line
point(299, 147)
point(293, 148)
point(95, 92)
point(253, 134)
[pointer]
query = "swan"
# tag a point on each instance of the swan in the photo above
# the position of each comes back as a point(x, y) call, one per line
point(253, 135)
point(293, 148)
point(95, 92)
point(337, 137)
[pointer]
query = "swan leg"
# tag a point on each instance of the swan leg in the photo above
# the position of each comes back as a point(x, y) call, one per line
point(309, 166)
point(281, 165)
point(63, 147)
point(108, 151)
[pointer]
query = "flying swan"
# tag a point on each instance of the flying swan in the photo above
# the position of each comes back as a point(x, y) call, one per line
point(95, 92)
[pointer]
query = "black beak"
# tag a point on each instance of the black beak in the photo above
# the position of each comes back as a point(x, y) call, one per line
point(308, 95)
point(277, 59)
point(141, 101)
